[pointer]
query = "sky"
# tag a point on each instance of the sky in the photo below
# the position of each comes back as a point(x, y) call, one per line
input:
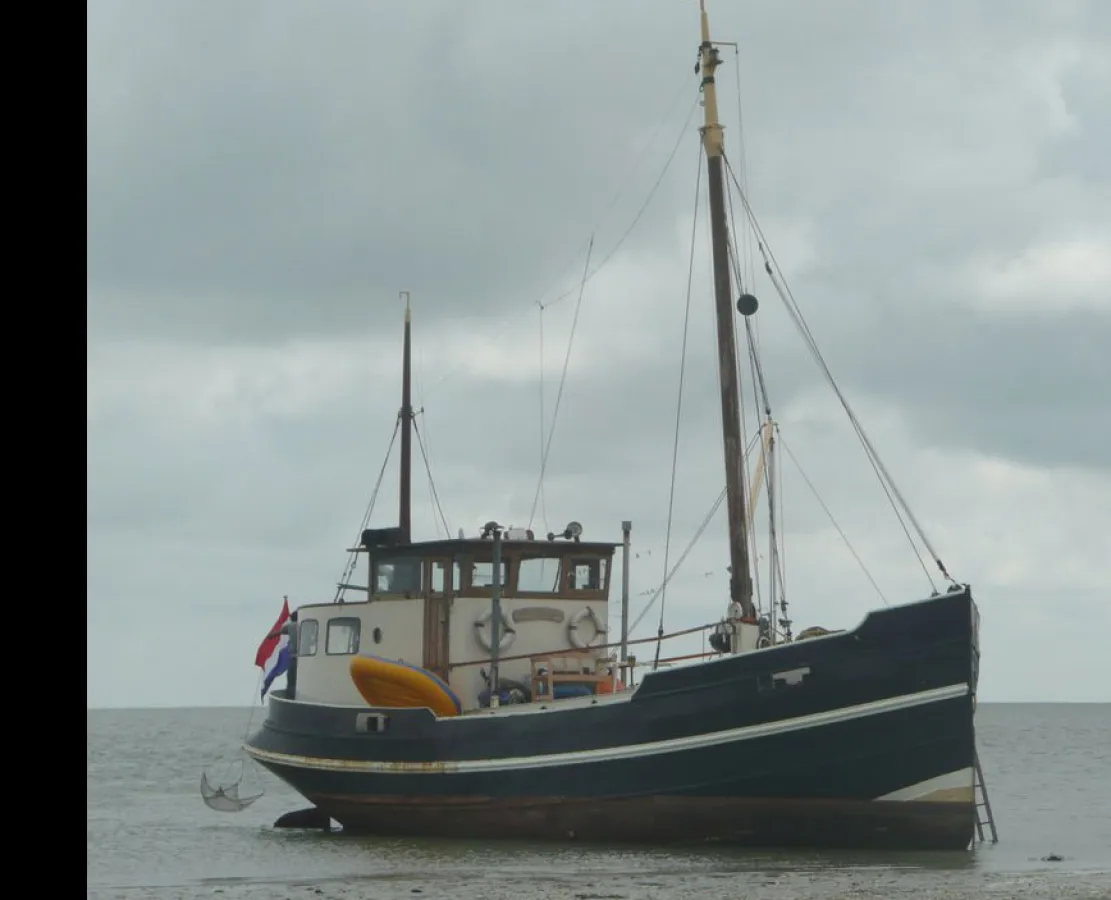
point(265, 177)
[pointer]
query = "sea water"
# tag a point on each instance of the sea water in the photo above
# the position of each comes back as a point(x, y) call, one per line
point(1047, 768)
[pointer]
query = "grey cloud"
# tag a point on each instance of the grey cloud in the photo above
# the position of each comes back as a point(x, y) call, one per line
point(1009, 384)
point(269, 169)
point(313, 165)
point(1031, 391)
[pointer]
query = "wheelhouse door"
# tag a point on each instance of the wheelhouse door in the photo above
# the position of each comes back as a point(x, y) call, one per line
point(437, 616)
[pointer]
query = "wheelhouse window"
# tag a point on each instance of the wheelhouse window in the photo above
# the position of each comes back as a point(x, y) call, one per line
point(343, 637)
point(587, 574)
point(538, 575)
point(482, 574)
point(399, 575)
point(308, 631)
point(444, 576)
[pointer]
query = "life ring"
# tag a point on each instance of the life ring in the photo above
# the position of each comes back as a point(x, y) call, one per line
point(481, 626)
point(581, 616)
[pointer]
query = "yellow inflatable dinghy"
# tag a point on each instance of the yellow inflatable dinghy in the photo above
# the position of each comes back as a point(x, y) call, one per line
point(398, 685)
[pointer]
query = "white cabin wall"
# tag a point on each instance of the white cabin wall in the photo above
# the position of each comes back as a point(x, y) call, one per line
point(326, 677)
point(533, 637)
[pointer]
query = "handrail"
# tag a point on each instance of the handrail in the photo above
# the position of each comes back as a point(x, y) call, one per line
point(486, 661)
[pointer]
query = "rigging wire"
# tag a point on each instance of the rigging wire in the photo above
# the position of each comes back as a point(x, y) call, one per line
point(774, 479)
point(749, 256)
point(833, 521)
point(350, 567)
point(741, 258)
point(759, 387)
point(679, 402)
point(885, 479)
point(640, 213)
point(543, 494)
point(237, 759)
point(781, 552)
point(431, 481)
point(512, 317)
point(426, 450)
point(682, 558)
point(630, 171)
point(588, 274)
point(877, 466)
point(562, 382)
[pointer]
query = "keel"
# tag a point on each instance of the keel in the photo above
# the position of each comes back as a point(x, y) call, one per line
point(311, 817)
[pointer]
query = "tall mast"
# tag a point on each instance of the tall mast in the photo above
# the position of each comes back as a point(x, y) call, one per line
point(404, 519)
point(740, 581)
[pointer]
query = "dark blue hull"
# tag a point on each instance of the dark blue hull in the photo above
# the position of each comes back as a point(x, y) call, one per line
point(859, 739)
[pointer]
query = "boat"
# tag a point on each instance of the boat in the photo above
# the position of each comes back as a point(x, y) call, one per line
point(472, 687)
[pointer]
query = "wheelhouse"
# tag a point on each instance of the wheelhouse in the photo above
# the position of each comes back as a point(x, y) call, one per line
point(430, 604)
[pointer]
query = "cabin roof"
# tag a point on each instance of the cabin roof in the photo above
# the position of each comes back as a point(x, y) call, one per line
point(463, 545)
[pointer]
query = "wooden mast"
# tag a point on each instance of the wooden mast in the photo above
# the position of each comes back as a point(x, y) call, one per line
point(404, 519)
point(740, 581)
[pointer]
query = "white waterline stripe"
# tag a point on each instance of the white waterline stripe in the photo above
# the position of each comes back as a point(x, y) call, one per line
point(962, 778)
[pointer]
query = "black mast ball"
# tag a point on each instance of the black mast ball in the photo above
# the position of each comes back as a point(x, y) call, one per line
point(747, 305)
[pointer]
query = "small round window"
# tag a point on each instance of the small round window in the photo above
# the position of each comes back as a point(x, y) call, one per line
point(377, 635)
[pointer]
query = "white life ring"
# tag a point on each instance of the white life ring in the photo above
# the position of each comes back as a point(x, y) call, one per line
point(481, 631)
point(581, 616)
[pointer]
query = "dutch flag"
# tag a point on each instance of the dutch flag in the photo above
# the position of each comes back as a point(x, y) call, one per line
point(273, 653)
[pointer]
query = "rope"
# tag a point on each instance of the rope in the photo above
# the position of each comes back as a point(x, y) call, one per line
point(679, 403)
point(350, 567)
point(431, 481)
point(781, 552)
point(427, 448)
point(543, 494)
point(238, 757)
point(844, 537)
point(885, 479)
point(251, 713)
point(694, 540)
point(873, 458)
point(505, 322)
point(774, 576)
point(698, 534)
point(641, 211)
point(562, 382)
point(629, 171)
point(749, 256)
point(759, 389)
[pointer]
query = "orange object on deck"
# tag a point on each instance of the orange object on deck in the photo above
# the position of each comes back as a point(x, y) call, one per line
point(395, 684)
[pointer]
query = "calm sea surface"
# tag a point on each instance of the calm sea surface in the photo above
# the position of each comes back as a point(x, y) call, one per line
point(1048, 771)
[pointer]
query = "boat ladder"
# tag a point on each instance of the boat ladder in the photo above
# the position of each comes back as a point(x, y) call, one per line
point(984, 816)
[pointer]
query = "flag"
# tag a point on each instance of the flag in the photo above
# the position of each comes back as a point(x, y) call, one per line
point(273, 653)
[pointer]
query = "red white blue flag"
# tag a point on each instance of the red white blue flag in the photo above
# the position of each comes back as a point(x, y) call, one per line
point(273, 653)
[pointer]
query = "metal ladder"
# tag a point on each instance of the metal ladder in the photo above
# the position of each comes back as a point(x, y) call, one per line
point(981, 794)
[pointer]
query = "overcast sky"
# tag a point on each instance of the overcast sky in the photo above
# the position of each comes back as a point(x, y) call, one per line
point(264, 178)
